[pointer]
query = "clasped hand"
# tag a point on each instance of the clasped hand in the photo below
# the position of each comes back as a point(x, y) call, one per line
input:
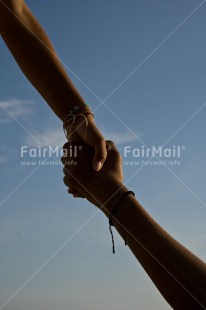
point(101, 188)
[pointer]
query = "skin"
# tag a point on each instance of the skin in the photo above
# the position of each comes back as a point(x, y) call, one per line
point(35, 55)
point(178, 274)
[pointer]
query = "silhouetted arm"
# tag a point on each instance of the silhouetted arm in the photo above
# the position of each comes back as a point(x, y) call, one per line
point(35, 55)
point(179, 275)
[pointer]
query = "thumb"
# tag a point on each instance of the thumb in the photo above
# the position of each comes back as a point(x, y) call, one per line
point(100, 154)
point(110, 145)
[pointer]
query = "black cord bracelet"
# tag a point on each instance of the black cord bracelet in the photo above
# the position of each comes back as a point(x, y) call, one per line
point(112, 215)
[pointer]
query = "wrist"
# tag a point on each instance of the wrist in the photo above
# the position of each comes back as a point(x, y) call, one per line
point(77, 117)
point(110, 195)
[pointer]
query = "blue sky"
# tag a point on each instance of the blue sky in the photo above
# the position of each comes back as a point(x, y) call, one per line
point(145, 60)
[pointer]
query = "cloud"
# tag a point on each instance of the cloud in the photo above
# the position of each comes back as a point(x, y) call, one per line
point(15, 108)
point(121, 137)
point(50, 137)
point(55, 137)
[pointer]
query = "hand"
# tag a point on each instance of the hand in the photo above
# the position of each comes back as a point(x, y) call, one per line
point(90, 135)
point(102, 188)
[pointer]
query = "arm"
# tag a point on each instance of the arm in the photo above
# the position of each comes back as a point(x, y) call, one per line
point(35, 55)
point(178, 274)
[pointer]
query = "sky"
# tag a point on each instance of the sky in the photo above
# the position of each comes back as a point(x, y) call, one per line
point(141, 66)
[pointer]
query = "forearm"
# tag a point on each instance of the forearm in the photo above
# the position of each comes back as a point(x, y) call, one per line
point(178, 274)
point(37, 58)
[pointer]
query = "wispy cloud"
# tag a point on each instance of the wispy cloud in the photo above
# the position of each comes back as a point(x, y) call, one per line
point(16, 108)
point(55, 136)
point(50, 137)
point(121, 137)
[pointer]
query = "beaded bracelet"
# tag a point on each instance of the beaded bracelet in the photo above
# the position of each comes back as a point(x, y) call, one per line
point(112, 215)
point(74, 113)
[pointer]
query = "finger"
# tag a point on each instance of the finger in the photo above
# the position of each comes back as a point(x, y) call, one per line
point(69, 182)
point(66, 181)
point(65, 148)
point(66, 145)
point(69, 151)
point(113, 151)
point(71, 190)
point(66, 171)
point(110, 145)
point(77, 195)
point(100, 154)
